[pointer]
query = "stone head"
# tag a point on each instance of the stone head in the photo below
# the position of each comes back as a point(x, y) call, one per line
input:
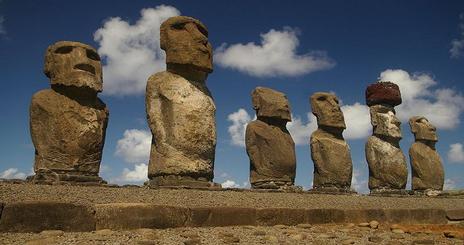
point(270, 103)
point(74, 64)
point(385, 122)
point(327, 110)
point(423, 129)
point(185, 41)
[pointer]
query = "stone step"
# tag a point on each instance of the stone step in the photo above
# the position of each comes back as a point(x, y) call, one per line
point(38, 216)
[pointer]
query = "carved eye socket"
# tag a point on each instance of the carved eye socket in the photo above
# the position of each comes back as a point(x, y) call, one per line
point(64, 50)
point(321, 98)
point(178, 26)
point(202, 30)
point(92, 55)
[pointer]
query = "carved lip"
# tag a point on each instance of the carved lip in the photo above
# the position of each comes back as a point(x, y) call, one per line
point(85, 67)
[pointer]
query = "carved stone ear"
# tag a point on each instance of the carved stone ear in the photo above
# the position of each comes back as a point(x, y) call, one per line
point(413, 121)
point(255, 102)
point(374, 118)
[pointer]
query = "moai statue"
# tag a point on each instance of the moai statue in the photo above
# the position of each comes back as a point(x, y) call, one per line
point(180, 109)
point(329, 151)
point(68, 122)
point(426, 165)
point(388, 172)
point(268, 143)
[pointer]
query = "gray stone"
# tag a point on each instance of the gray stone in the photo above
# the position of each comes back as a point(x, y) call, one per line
point(269, 145)
point(180, 109)
point(329, 151)
point(68, 122)
point(426, 164)
point(387, 163)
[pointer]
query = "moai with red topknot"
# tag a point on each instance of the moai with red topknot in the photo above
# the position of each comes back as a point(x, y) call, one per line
point(388, 172)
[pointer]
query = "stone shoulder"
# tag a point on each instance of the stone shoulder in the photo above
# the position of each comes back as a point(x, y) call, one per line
point(44, 97)
point(257, 125)
point(160, 78)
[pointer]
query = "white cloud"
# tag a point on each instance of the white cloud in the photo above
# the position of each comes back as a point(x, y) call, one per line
point(239, 121)
point(359, 182)
point(442, 107)
point(104, 169)
point(12, 173)
point(457, 45)
point(132, 52)
point(135, 146)
point(138, 174)
point(357, 120)
point(2, 28)
point(300, 131)
point(275, 56)
point(229, 184)
point(456, 153)
point(449, 184)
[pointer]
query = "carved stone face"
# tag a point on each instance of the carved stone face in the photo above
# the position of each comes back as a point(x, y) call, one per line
point(422, 129)
point(327, 110)
point(271, 103)
point(74, 64)
point(385, 122)
point(185, 41)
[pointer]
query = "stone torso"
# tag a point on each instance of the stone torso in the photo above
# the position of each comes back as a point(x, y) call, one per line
point(181, 115)
point(332, 160)
point(427, 168)
point(68, 134)
point(271, 151)
point(387, 165)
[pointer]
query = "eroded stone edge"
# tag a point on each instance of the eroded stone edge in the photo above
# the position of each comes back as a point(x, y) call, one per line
point(36, 216)
point(126, 216)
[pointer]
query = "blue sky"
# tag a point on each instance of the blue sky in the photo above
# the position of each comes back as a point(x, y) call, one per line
point(298, 48)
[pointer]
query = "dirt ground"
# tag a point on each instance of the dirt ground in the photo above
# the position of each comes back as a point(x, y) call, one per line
point(279, 234)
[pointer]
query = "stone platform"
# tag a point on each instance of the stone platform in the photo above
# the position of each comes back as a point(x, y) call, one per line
point(33, 208)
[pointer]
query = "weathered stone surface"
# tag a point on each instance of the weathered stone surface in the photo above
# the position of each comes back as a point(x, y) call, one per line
point(74, 64)
point(39, 216)
point(327, 215)
point(269, 145)
point(68, 122)
point(426, 164)
point(362, 215)
point(180, 109)
point(416, 216)
point(185, 41)
point(455, 215)
point(222, 216)
point(281, 216)
point(270, 103)
point(387, 164)
point(383, 93)
point(126, 216)
point(329, 151)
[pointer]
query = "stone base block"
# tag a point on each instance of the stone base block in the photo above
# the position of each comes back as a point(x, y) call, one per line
point(273, 185)
point(332, 190)
point(455, 215)
point(127, 216)
point(221, 216)
point(173, 181)
point(39, 216)
point(50, 177)
point(390, 192)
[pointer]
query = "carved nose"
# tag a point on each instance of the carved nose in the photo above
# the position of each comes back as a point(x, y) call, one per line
point(85, 67)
